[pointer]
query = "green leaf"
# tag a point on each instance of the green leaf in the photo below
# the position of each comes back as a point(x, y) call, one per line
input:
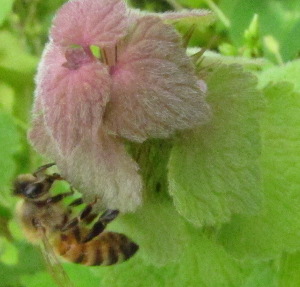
point(262, 274)
point(187, 19)
point(41, 279)
point(289, 273)
point(214, 170)
point(5, 214)
point(213, 58)
point(203, 264)
point(9, 146)
point(9, 276)
point(6, 98)
point(6, 6)
point(79, 275)
point(156, 225)
point(281, 19)
point(30, 258)
point(191, 3)
point(16, 65)
point(158, 6)
point(8, 252)
point(277, 227)
point(83, 275)
point(289, 72)
point(28, 263)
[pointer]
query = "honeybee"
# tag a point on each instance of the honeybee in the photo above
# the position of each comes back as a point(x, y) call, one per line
point(44, 219)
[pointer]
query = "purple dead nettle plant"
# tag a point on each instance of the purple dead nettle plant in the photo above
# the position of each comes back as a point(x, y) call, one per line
point(142, 86)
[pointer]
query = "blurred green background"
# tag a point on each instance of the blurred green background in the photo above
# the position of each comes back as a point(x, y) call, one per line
point(248, 30)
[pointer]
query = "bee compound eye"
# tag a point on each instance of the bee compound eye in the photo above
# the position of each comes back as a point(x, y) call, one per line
point(34, 190)
point(20, 187)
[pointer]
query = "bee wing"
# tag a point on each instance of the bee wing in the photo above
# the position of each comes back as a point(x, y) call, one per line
point(54, 267)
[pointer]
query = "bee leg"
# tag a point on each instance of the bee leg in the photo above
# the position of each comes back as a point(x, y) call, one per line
point(40, 174)
point(82, 216)
point(77, 233)
point(109, 215)
point(70, 224)
point(89, 218)
point(59, 197)
point(53, 177)
point(100, 225)
point(87, 211)
point(76, 202)
point(42, 169)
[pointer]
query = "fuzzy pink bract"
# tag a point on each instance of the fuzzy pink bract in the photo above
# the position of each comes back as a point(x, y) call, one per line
point(90, 22)
point(143, 86)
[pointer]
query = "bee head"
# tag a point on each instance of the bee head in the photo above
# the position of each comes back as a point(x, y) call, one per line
point(27, 186)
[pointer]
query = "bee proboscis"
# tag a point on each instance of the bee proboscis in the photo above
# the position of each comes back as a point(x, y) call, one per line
point(45, 219)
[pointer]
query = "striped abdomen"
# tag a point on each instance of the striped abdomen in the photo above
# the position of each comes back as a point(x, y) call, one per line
point(107, 249)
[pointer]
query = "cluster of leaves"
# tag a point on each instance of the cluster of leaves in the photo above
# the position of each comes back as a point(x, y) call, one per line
point(222, 201)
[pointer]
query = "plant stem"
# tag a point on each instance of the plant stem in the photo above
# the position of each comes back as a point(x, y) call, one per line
point(219, 13)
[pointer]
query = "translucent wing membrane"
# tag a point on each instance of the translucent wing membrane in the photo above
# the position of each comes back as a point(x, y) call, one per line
point(54, 267)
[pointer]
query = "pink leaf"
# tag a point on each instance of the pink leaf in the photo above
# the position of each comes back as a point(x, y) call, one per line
point(90, 22)
point(104, 169)
point(196, 14)
point(101, 169)
point(155, 90)
point(200, 17)
point(73, 93)
point(38, 134)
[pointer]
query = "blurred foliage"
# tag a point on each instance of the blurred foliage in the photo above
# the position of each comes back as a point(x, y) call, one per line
point(246, 234)
point(151, 5)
